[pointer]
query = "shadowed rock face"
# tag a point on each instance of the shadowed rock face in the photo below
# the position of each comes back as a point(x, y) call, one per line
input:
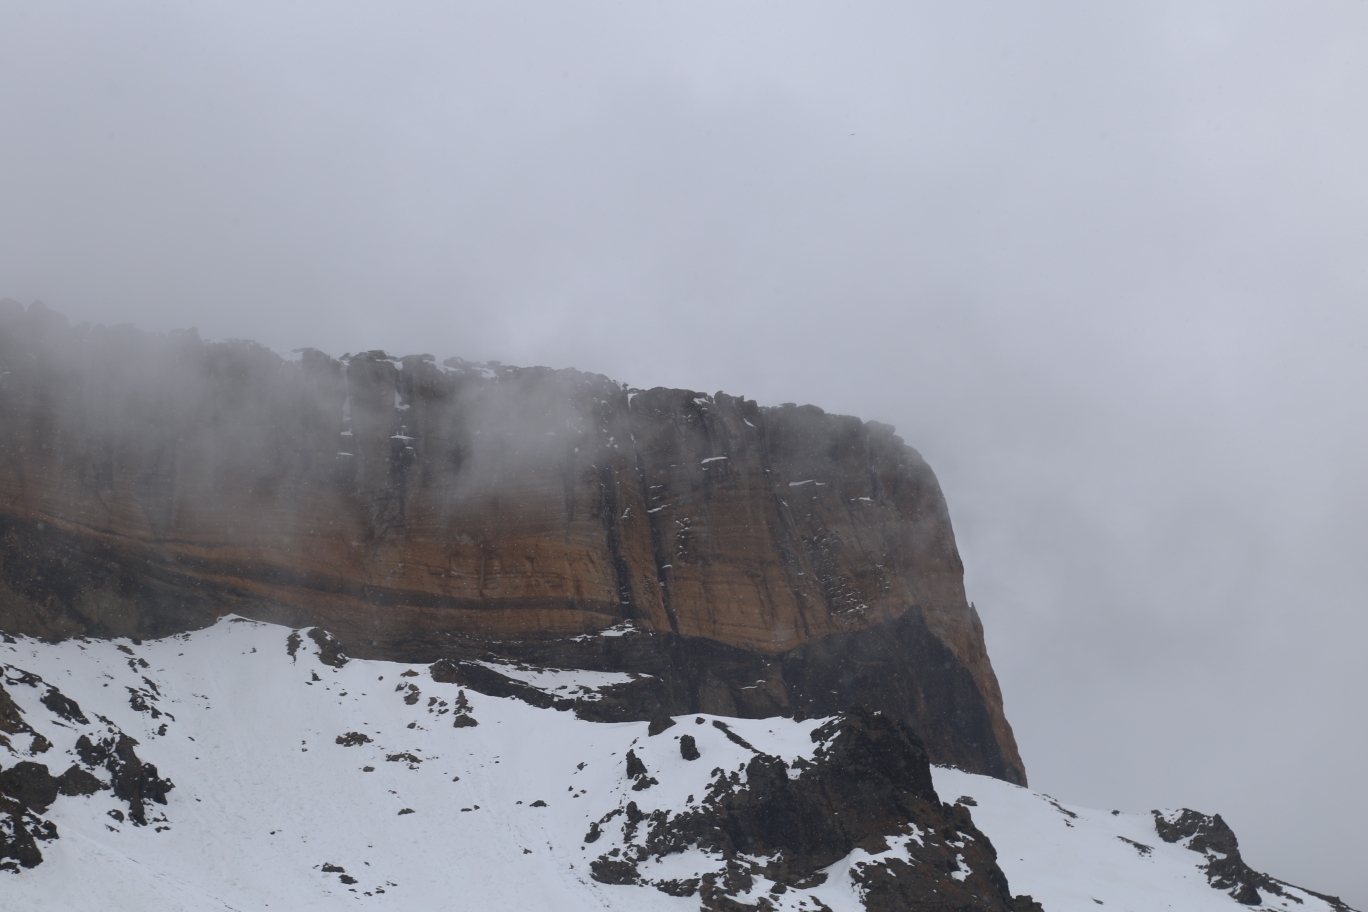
point(763, 559)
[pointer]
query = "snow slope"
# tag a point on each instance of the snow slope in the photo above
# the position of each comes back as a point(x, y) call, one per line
point(1071, 858)
point(427, 815)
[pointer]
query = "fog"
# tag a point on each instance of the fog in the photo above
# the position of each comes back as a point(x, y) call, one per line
point(1103, 265)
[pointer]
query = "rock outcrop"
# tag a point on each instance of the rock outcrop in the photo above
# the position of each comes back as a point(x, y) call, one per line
point(28, 788)
point(868, 786)
point(1225, 869)
point(758, 560)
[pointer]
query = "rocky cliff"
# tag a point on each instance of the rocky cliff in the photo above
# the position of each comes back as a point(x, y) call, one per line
point(754, 561)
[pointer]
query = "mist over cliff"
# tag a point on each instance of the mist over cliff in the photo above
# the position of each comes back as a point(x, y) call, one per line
point(774, 560)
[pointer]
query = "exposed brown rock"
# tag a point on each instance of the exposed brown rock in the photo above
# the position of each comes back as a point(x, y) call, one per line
point(149, 484)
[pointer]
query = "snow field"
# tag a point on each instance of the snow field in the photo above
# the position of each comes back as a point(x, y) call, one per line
point(424, 815)
point(265, 796)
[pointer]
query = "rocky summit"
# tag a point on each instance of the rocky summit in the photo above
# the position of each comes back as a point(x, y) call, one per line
point(741, 560)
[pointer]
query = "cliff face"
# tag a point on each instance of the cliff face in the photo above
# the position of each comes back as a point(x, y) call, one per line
point(758, 560)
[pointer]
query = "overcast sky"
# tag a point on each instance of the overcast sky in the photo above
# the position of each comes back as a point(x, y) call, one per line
point(1105, 265)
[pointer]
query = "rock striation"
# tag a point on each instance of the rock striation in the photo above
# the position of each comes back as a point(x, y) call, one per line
point(753, 561)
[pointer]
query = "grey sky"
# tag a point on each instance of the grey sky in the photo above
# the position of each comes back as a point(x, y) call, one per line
point(1105, 265)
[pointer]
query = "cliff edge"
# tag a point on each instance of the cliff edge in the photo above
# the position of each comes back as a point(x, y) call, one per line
point(752, 561)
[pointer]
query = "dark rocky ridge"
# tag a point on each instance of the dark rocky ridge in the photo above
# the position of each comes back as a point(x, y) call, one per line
point(868, 786)
point(1225, 869)
point(766, 560)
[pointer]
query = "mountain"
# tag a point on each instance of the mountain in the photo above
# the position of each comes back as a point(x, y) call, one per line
point(311, 633)
point(781, 560)
point(251, 766)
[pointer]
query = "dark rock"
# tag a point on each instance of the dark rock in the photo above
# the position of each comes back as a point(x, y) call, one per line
point(1144, 850)
point(329, 649)
point(489, 682)
point(895, 885)
point(133, 781)
point(11, 718)
point(64, 706)
point(143, 702)
point(612, 871)
point(818, 679)
point(463, 720)
point(91, 754)
point(635, 768)
point(27, 789)
point(868, 782)
point(686, 887)
point(732, 736)
point(659, 724)
point(1211, 837)
point(76, 781)
point(30, 784)
point(352, 739)
point(20, 832)
point(688, 747)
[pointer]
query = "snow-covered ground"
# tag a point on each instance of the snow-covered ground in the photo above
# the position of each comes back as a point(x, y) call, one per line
point(426, 815)
point(1072, 858)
